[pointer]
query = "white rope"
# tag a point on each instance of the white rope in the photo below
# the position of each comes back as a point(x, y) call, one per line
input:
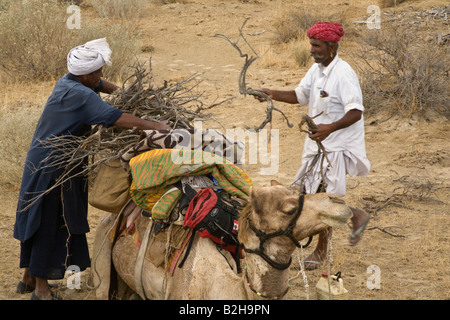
point(329, 258)
point(302, 271)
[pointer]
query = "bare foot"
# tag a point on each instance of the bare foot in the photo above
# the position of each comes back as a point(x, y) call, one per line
point(42, 291)
point(41, 295)
point(28, 279)
point(44, 295)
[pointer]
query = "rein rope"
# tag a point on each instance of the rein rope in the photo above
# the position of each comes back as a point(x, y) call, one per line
point(263, 237)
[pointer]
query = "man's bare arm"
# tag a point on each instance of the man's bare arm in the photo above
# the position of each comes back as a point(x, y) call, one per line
point(108, 87)
point(129, 121)
point(279, 95)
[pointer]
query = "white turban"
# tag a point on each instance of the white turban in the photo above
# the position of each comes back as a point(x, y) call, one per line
point(89, 57)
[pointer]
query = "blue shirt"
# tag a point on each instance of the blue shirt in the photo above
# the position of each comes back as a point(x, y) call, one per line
point(71, 109)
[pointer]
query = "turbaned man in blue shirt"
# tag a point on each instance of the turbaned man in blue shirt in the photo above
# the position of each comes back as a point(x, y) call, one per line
point(52, 232)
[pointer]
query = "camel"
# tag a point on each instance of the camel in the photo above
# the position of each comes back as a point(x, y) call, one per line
point(208, 274)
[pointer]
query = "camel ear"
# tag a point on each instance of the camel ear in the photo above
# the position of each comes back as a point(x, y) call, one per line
point(274, 183)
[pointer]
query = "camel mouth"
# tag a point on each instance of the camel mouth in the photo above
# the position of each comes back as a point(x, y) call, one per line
point(335, 220)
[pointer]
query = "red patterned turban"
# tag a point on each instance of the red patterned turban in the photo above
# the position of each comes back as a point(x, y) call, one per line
point(326, 31)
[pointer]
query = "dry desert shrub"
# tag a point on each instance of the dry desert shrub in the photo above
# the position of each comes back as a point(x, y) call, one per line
point(293, 21)
point(75, 2)
point(294, 53)
point(301, 51)
point(169, 1)
point(402, 74)
point(292, 24)
point(4, 4)
point(35, 40)
point(119, 8)
point(389, 3)
point(14, 146)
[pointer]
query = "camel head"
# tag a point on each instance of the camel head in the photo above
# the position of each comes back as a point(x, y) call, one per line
point(273, 208)
point(271, 226)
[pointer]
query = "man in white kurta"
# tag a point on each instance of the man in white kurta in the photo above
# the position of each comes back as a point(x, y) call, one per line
point(345, 148)
point(332, 91)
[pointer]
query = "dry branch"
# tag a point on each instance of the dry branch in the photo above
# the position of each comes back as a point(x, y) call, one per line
point(322, 153)
point(372, 205)
point(242, 83)
point(387, 231)
point(312, 125)
point(419, 188)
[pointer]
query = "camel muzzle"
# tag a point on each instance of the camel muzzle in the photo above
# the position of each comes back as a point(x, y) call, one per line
point(338, 219)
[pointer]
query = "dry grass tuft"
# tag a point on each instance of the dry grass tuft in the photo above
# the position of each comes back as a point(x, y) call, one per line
point(127, 9)
point(294, 20)
point(15, 138)
point(34, 30)
point(389, 3)
point(269, 57)
point(300, 50)
point(4, 4)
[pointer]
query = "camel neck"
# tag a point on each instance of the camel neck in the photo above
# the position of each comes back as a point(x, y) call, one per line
point(269, 284)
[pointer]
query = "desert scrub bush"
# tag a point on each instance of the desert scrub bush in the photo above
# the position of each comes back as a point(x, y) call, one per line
point(35, 41)
point(268, 57)
point(402, 74)
point(20, 118)
point(30, 32)
point(4, 4)
point(75, 2)
point(293, 21)
point(119, 8)
point(169, 1)
point(301, 51)
point(389, 3)
point(287, 55)
point(290, 24)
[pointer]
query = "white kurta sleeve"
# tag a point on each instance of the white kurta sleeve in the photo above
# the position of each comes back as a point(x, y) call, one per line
point(350, 94)
point(304, 88)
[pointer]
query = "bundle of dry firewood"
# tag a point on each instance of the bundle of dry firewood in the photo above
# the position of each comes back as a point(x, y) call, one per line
point(180, 104)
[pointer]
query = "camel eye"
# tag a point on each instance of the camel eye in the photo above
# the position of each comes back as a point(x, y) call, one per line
point(290, 210)
point(336, 200)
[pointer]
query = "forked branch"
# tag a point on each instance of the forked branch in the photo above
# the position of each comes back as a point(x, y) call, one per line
point(242, 83)
point(322, 153)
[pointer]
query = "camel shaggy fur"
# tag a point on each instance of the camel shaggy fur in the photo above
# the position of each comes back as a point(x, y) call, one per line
point(206, 274)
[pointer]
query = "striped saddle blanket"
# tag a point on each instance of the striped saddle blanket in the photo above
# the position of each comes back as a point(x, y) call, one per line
point(155, 172)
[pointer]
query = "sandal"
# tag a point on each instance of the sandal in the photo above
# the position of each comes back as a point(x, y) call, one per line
point(54, 296)
point(353, 236)
point(313, 265)
point(22, 287)
point(310, 265)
